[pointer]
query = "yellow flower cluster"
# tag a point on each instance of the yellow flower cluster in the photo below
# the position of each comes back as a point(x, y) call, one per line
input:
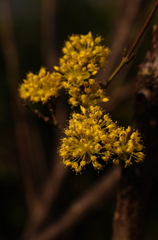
point(83, 57)
point(40, 87)
point(92, 137)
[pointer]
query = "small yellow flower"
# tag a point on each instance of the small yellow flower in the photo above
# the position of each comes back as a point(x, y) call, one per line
point(82, 140)
point(40, 87)
point(129, 148)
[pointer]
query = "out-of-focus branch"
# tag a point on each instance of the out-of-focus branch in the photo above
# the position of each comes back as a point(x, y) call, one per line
point(50, 191)
point(95, 196)
point(22, 134)
point(48, 32)
point(119, 95)
point(54, 180)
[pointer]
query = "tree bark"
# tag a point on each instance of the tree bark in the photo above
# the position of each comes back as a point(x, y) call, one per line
point(136, 181)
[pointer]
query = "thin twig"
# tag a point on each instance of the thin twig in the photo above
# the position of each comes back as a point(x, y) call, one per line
point(131, 51)
point(36, 112)
point(124, 25)
point(128, 57)
point(52, 112)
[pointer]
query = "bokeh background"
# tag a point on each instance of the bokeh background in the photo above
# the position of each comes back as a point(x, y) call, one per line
point(32, 33)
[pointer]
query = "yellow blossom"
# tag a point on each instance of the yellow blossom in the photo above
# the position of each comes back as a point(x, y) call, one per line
point(92, 137)
point(83, 56)
point(41, 86)
point(86, 96)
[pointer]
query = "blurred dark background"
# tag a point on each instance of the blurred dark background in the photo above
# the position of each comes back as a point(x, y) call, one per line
point(32, 34)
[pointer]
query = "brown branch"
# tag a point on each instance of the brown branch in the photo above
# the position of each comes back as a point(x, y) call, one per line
point(132, 199)
point(51, 107)
point(36, 112)
point(123, 28)
point(127, 57)
point(131, 51)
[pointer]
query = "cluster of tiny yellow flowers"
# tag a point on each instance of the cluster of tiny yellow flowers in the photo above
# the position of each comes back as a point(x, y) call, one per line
point(92, 137)
point(40, 87)
point(83, 57)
